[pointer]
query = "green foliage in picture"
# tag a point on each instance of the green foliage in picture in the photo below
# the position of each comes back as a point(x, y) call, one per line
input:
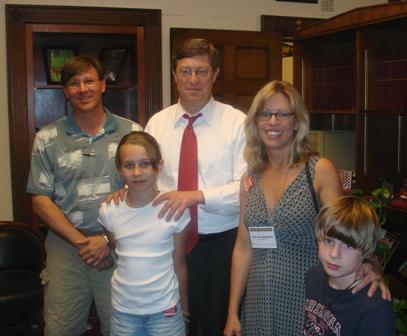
point(55, 59)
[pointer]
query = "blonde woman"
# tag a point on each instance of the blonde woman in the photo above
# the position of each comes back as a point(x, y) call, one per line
point(280, 195)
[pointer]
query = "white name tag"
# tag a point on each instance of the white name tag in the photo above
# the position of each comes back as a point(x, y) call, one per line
point(262, 237)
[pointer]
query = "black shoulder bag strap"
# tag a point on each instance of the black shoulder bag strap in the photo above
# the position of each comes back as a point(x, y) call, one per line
point(311, 187)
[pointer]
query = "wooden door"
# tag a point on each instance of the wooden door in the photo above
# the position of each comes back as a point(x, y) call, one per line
point(248, 61)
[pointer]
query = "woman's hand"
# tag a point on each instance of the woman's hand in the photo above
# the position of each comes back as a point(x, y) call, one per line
point(369, 273)
point(186, 316)
point(232, 327)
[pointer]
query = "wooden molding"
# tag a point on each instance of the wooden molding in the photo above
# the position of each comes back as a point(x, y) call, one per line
point(286, 25)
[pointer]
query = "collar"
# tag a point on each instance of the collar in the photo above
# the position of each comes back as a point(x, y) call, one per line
point(207, 112)
point(71, 126)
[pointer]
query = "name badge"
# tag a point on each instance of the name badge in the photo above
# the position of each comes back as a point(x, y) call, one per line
point(262, 237)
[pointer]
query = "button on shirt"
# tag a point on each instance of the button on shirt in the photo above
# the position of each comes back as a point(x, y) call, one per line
point(220, 138)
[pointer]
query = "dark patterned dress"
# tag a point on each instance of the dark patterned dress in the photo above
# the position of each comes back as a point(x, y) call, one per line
point(274, 300)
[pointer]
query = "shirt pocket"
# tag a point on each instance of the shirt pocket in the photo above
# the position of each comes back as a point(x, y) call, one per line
point(214, 165)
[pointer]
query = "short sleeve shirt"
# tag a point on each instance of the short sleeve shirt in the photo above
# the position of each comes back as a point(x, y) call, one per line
point(144, 280)
point(77, 170)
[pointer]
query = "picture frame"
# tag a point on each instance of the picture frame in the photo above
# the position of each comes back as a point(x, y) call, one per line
point(112, 60)
point(55, 58)
point(403, 270)
point(387, 246)
point(287, 49)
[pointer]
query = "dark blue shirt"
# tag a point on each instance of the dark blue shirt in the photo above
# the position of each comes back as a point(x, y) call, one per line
point(329, 311)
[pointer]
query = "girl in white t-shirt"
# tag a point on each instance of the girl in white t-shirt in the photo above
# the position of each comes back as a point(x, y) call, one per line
point(149, 284)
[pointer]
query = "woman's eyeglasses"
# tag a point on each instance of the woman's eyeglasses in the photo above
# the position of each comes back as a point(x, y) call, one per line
point(280, 115)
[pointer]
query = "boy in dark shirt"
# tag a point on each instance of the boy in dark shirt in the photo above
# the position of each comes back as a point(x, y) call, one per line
point(347, 234)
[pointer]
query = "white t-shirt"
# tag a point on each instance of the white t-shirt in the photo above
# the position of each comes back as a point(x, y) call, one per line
point(144, 281)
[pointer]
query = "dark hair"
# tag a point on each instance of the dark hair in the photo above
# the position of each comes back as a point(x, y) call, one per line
point(77, 64)
point(351, 220)
point(196, 47)
point(145, 140)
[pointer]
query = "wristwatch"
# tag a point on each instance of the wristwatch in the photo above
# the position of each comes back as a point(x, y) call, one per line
point(107, 239)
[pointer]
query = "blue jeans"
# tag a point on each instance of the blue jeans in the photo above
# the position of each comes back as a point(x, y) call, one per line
point(125, 324)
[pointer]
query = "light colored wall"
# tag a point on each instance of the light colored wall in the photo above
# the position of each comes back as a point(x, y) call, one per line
point(214, 14)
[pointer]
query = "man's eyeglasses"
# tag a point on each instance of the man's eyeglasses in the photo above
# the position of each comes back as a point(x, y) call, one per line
point(199, 72)
point(280, 115)
point(88, 82)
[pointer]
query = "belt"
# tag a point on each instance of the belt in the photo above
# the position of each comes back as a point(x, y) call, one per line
point(203, 238)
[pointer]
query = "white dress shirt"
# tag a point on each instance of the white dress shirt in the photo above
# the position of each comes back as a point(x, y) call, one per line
point(220, 138)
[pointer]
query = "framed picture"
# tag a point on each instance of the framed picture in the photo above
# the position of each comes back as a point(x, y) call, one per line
point(112, 60)
point(287, 49)
point(403, 269)
point(55, 58)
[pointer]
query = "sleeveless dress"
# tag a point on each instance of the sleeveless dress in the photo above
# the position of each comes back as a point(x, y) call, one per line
point(274, 300)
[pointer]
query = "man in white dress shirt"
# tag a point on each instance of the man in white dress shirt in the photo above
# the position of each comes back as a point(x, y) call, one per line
point(220, 141)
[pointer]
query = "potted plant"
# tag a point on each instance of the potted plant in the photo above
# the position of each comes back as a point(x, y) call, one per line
point(400, 309)
point(378, 198)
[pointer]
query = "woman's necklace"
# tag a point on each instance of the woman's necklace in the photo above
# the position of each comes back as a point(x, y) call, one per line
point(282, 188)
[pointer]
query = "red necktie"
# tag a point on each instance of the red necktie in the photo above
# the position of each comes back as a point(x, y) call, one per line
point(188, 175)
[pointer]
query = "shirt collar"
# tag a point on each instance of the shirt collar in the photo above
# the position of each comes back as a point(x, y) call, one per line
point(72, 127)
point(207, 112)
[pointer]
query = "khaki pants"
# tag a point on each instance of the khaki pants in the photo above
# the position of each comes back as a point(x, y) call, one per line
point(69, 291)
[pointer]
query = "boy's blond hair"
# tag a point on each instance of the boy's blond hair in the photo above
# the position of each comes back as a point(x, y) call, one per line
point(351, 220)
